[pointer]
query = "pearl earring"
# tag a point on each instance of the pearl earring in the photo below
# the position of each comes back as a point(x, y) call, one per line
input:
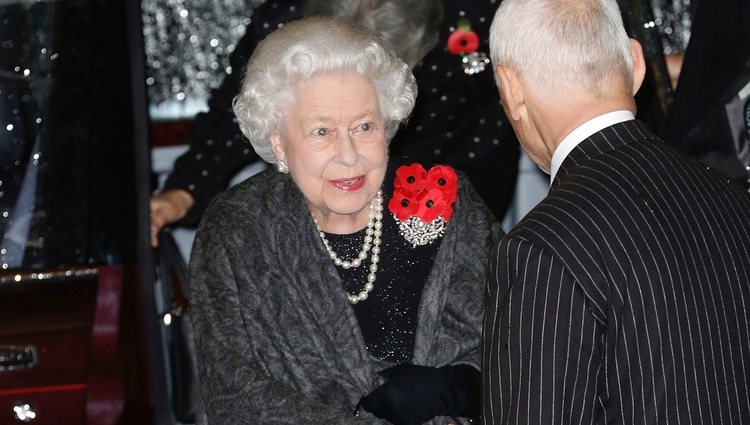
point(282, 167)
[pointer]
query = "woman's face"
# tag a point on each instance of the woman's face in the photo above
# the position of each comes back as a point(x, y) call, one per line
point(334, 144)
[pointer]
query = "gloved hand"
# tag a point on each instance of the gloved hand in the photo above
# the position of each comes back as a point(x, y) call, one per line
point(415, 394)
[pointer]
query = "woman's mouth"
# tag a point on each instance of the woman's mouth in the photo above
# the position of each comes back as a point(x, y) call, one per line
point(349, 184)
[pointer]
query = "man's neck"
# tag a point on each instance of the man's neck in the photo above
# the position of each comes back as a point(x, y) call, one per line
point(582, 132)
point(581, 113)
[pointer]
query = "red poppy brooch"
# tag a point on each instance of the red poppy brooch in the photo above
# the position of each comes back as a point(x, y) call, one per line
point(465, 42)
point(422, 201)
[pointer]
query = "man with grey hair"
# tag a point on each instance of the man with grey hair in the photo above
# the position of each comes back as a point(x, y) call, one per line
point(623, 296)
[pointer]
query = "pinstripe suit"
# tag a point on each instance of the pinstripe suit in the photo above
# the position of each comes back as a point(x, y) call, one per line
point(623, 296)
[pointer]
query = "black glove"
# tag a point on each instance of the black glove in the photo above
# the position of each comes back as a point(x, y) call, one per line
point(415, 394)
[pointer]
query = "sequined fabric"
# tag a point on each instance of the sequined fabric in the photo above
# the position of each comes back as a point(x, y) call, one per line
point(388, 317)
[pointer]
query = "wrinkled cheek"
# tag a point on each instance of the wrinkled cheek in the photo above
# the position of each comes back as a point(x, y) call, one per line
point(380, 173)
point(383, 154)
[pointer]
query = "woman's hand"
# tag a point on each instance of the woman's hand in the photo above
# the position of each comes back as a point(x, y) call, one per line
point(167, 208)
point(415, 394)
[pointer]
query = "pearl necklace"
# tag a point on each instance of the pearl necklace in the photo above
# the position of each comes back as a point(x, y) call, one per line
point(371, 242)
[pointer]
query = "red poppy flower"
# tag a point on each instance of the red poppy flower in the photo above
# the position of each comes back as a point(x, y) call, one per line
point(431, 205)
point(463, 42)
point(424, 194)
point(445, 179)
point(411, 177)
point(403, 203)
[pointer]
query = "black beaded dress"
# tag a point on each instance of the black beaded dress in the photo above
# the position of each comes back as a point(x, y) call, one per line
point(388, 317)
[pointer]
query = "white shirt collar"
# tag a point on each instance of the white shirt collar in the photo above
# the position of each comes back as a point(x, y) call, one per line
point(581, 133)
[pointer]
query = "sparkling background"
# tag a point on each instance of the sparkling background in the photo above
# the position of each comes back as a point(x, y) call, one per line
point(187, 45)
point(66, 137)
point(672, 18)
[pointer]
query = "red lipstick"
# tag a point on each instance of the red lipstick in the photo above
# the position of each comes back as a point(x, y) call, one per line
point(349, 184)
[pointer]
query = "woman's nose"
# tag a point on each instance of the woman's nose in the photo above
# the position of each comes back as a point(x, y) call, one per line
point(346, 149)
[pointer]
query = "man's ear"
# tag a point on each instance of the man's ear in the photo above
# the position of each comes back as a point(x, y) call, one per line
point(511, 92)
point(278, 150)
point(639, 64)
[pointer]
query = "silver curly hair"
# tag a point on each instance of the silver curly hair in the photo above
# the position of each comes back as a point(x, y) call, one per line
point(410, 27)
point(302, 49)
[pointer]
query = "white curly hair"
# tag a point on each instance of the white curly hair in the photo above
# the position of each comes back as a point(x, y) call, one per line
point(305, 48)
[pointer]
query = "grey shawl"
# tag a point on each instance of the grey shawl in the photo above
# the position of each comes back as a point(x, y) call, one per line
point(277, 339)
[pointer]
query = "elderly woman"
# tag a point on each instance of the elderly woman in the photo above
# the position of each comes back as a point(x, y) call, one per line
point(336, 287)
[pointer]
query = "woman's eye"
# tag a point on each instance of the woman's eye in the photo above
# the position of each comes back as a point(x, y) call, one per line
point(320, 132)
point(362, 129)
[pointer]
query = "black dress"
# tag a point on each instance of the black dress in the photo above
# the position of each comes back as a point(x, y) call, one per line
point(388, 317)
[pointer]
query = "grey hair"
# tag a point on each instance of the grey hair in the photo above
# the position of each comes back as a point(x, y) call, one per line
point(304, 48)
point(557, 45)
point(410, 27)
